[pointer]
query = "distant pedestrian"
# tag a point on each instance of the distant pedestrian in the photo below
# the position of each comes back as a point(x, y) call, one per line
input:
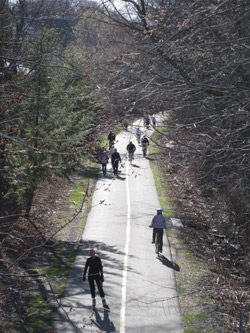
point(103, 159)
point(144, 145)
point(153, 121)
point(116, 158)
point(111, 138)
point(95, 274)
point(146, 121)
point(125, 125)
point(138, 134)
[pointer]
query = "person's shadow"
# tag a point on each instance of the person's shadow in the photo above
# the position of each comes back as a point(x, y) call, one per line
point(135, 165)
point(168, 263)
point(103, 324)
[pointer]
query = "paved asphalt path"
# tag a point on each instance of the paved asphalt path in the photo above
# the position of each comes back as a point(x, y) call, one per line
point(140, 287)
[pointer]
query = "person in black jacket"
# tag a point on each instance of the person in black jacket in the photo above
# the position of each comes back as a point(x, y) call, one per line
point(144, 145)
point(111, 138)
point(95, 274)
point(115, 161)
point(131, 149)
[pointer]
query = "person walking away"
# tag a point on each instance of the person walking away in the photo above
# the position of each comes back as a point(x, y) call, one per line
point(146, 121)
point(95, 275)
point(144, 144)
point(158, 224)
point(125, 125)
point(131, 149)
point(103, 159)
point(111, 138)
point(138, 134)
point(153, 121)
point(115, 161)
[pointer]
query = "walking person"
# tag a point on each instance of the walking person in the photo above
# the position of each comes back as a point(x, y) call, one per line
point(103, 159)
point(144, 145)
point(146, 121)
point(111, 138)
point(154, 121)
point(158, 224)
point(138, 134)
point(125, 125)
point(95, 275)
point(115, 161)
point(131, 149)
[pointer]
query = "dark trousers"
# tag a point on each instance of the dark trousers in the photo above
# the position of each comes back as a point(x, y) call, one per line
point(155, 230)
point(92, 279)
point(115, 167)
point(104, 168)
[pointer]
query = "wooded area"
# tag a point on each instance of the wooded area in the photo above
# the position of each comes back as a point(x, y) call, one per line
point(72, 70)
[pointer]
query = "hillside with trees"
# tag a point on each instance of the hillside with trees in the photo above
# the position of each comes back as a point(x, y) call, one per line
point(70, 71)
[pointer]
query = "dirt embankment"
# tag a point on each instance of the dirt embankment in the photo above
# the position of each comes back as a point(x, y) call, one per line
point(37, 253)
point(213, 274)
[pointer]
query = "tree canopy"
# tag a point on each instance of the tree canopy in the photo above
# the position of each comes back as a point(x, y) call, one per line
point(48, 103)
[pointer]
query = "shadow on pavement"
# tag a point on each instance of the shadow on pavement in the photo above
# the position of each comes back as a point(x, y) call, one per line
point(108, 175)
point(103, 324)
point(112, 176)
point(86, 245)
point(168, 263)
point(121, 178)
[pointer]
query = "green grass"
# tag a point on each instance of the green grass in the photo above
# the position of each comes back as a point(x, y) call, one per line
point(165, 203)
point(207, 300)
point(36, 318)
point(77, 196)
point(56, 269)
point(192, 318)
point(36, 302)
point(50, 271)
point(180, 288)
point(187, 254)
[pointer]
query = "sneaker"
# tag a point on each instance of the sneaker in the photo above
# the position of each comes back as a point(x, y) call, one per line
point(105, 305)
point(153, 242)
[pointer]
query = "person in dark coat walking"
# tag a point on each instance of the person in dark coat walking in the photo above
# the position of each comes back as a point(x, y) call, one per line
point(115, 161)
point(111, 138)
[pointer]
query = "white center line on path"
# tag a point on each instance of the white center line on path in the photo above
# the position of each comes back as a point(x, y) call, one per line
point(125, 262)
